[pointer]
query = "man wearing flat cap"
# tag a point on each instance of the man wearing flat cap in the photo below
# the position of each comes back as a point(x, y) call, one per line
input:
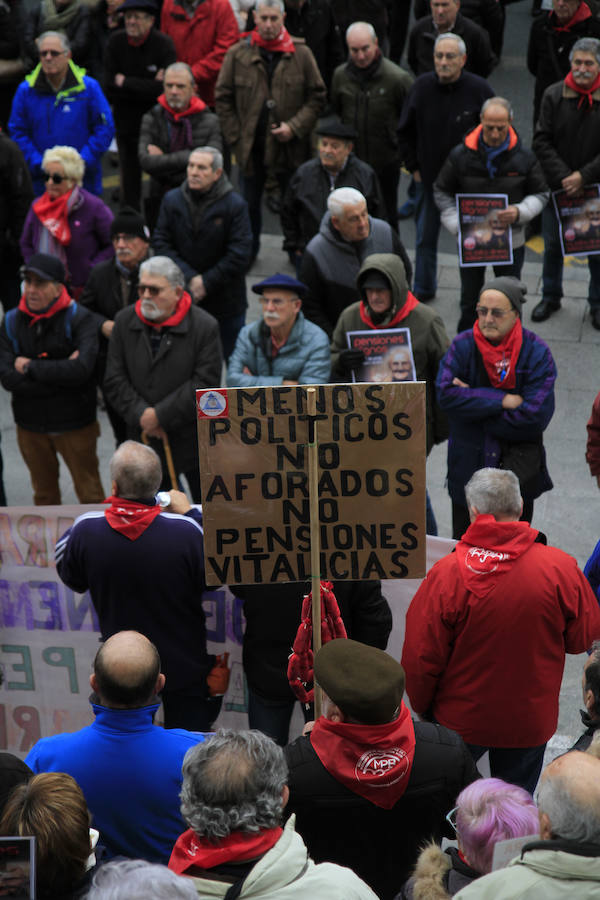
point(135, 61)
point(368, 784)
point(48, 350)
point(305, 201)
point(496, 385)
point(283, 347)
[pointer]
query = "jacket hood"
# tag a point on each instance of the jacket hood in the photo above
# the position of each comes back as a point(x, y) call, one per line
point(74, 82)
point(429, 878)
point(562, 863)
point(472, 138)
point(392, 267)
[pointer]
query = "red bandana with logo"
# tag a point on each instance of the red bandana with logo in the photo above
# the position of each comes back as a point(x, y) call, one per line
point(283, 43)
point(62, 301)
point(192, 852)
point(411, 303)
point(179, 313)
point(196, 106)
point(582, 13)
point(500, 360)
point(585, 92)
point(130, 517)
point(488, 550)
point(371, 760)
point(53, 214)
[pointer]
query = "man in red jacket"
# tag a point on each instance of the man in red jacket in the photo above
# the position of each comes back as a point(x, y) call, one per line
point(487, 632)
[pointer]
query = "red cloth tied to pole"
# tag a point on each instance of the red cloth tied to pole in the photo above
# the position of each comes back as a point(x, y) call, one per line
point(300, 666)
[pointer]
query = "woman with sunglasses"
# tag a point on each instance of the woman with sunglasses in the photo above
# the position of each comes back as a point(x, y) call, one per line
point(67, 221)
point(487, 811)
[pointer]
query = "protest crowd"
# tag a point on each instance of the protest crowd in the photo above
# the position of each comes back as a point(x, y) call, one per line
point(131, 300)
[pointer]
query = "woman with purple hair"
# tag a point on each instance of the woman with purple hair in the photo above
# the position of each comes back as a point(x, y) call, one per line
point(487, 811)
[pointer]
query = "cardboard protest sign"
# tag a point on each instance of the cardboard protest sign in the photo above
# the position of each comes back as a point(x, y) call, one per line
point(388, 354)
point(579, 221)
point(371, 482)
point(482, 239)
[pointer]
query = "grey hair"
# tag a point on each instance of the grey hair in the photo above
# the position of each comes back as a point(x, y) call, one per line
point(233, 782)
point(217, 156)
point(136, 879)
point(165, 267)
point(137, 471)
point(586, 45)
point(342, 197)
point(494, 492)
point(272, 4)
point(180, 67)
point(449, 35)
point(57, 34)
point(569, 818)
point(68, 157)
point(367, 25)
point(498, 101)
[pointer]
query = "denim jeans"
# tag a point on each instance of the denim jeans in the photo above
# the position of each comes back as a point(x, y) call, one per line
point(471, 281)
point(229, 328)
point(273, 717)
point(552, 272)
point(518, 765)
point(427, 221)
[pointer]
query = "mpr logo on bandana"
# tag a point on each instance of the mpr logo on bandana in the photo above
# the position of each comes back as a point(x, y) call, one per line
point(380, 768)
point(484, 562)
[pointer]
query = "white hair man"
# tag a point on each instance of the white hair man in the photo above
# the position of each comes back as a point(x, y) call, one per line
point(332, 260)
point(488, 630)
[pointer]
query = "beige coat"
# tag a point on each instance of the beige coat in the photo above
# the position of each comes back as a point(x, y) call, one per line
point(242, 90)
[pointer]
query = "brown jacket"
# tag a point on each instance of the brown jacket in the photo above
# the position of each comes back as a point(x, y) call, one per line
point(242, 90)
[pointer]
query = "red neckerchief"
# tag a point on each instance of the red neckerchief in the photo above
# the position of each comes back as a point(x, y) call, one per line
point(53, 214)
point(283, 43)
point(488, 550)
point(138, 42)
point(582, 13)
point(62, 301)
point(500, 360)
point(585, 92)
point(130, 517)
point(180, 312)
point(371, 760)
point(411, 303)
point(196, 105)
point(192, 852)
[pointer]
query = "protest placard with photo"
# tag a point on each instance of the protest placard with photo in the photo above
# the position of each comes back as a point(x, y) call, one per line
point(482, 239)
point(579, 220)
point(17, 867)
point(388, 355)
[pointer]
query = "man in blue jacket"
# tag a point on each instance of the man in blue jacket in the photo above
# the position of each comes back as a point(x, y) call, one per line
point(204, 227)
point(59, 104)
point(128, 769)
point(283, 347)
point(496, 385)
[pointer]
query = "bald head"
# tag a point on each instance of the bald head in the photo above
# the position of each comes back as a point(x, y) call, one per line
point(569, 799)
point(127, 671)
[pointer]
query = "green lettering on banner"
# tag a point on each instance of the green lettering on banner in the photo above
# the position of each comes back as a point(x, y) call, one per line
point(24, 666)
point(63, 656)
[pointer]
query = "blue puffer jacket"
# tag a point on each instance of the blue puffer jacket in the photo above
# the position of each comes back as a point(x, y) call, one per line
point(78, 115)
point(479, 425)
point(303, 358)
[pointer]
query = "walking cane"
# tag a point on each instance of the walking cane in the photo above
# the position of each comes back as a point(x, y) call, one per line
point(168, 457)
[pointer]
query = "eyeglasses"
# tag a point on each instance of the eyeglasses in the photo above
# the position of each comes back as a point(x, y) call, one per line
point(137, 16)
point(451, 819)
point(152, 289)
point(445, 55)
point(128, 238)
point(52, 53)
point(55, 178)
point(483, 311)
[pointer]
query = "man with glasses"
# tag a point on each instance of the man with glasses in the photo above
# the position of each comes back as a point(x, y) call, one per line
point(283, 347)
point(161, 350)
point(134, 63)
point(113, 285)
point(491, 160)
point(496, 385)
point(58, 104)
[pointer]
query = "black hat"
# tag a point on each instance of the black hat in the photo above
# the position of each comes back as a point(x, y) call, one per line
point(280, 281)
point(129, 221)
point(148, 6)
point(332, 126)
point(374, 279)
point(511, 287)
point(366, 683)
point(47, 267)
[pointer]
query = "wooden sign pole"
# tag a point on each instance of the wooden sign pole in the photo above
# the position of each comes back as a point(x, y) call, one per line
point(313, 494)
